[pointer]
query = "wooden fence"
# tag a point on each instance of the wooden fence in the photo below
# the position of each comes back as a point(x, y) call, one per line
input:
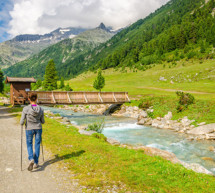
point(55, 97)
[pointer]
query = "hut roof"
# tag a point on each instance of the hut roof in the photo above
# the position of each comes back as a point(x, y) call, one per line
point(18, 79)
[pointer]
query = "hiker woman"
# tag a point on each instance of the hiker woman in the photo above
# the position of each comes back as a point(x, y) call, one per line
point(34, 116)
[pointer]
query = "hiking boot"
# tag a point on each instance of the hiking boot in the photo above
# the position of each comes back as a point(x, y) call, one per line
point(36, 166)
point(30, 167)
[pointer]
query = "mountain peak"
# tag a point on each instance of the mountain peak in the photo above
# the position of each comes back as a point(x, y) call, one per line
point(102, 26)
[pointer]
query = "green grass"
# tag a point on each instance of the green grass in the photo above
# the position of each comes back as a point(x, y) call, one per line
point(98, 164)
point(145, 86)
point(147, 82)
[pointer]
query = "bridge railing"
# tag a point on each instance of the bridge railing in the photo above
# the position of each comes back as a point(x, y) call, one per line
point(71, 97)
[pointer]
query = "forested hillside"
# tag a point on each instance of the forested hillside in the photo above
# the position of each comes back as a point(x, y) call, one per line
point(181, 29)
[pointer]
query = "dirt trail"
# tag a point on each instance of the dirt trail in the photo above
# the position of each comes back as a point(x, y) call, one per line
point(174, 90)
point(47, 179)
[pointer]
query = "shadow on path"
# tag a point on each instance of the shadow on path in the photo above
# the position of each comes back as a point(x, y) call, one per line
point(57, 158)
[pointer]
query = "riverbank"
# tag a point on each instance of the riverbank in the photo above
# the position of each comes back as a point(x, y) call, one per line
point(99, 166)
point(123, 128)
point(192, 129)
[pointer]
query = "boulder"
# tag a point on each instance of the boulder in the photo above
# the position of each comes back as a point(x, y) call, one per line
point(207, 158)
point(210, 136)
point(168, 116)
point(200, 124)
point(203, 130)
point(158, 152)
point(197, 168)
point(141, 122)
point(148, 121)
point(65, 119)
point(113, 141)
point(186, 122)
point(211, 148)
point(143, 114)
point(156, 123)
point(101, 111)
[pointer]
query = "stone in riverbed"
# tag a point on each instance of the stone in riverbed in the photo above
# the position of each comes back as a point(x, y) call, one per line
point(203, 130)
point(210, 136)
point(207, 158)
point(148, 121)
point(142, 122)
point(158, 152)
point(65, 119)
point(113, 141)
point(211, 148)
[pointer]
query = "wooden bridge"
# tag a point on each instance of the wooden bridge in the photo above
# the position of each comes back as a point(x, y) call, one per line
point(61, 97)
point(20, 88)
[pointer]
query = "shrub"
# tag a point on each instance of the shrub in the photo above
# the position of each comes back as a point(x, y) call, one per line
point(57, 115)
point(185, 99)
point(97, 127)
point(145, 105)
point(99, 136)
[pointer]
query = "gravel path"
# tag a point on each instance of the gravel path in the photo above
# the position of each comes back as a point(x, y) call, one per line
point(46, 179)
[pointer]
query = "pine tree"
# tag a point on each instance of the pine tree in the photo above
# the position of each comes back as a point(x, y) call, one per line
point(50, 78)
point(1, 81)
point(62, 85)
point(99, 82)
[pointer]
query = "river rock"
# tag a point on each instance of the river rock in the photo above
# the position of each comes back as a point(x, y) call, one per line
point(186, 122)
point(65, 119)
point(148, 121)
point(201, 124)
point(207, 158)
point(152, 151)
point(211, 148)
point(143, 114)
point(210, 136)
point(203, 130)
point(101, 111)
point(141, 122)
point(113, 141)
point(197, 168)
point(58, 118)
point(168, 116)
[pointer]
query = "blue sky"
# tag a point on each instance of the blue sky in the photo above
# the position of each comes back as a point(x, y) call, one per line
point(43, 16)
point(5, 7)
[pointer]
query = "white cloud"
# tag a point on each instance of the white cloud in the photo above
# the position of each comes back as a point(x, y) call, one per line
point(42, 16)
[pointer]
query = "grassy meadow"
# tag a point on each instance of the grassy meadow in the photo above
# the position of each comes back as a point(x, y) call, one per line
point(193, 76)
point(201, 75)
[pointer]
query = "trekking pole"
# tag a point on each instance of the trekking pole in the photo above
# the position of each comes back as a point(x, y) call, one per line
point(21, 144)
point(42, 148)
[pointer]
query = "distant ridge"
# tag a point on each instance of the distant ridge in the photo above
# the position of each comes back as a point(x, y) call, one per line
point(23, 46)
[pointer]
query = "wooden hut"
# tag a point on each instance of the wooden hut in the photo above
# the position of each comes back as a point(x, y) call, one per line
point(19, 88)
